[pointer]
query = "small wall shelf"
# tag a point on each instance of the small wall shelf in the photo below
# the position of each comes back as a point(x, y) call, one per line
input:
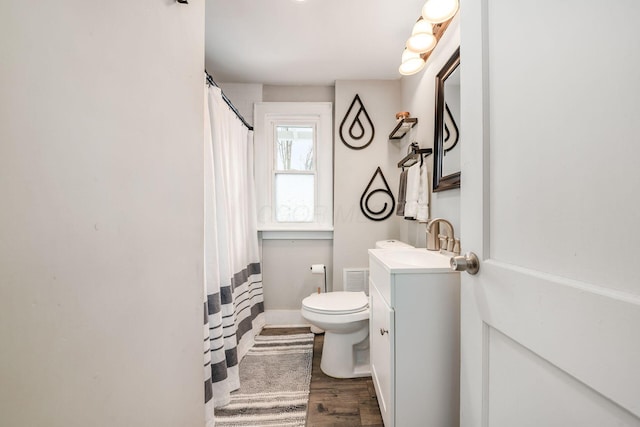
point(403, 127)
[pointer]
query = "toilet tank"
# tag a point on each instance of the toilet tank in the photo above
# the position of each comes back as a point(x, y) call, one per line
point(391, 244)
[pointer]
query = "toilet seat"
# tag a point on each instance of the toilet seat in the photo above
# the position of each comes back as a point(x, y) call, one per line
point(336, 303)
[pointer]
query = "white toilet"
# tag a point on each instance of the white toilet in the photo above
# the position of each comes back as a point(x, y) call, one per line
point(344, 316)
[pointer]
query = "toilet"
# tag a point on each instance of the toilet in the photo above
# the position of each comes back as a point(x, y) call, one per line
point(344, 316)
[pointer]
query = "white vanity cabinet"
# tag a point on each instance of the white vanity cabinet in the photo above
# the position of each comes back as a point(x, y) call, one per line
point(415, 338)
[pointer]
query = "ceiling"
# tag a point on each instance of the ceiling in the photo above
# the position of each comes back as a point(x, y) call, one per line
point(311, 42)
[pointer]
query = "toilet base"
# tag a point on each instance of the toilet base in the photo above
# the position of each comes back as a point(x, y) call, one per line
point(341, 358)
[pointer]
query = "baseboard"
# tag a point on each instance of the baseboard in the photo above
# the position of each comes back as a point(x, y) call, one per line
point(281, 318)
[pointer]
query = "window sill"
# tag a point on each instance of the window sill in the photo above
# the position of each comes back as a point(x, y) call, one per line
point(289, 234)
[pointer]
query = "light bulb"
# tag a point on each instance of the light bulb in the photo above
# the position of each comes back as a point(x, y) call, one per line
point(411, 63)
point(437, 11)
point(422, 39)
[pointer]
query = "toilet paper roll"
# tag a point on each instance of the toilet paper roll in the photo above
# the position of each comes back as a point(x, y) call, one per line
point(317, 269)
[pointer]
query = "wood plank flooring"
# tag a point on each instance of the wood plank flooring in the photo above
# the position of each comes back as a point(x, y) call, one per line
point(336, 402)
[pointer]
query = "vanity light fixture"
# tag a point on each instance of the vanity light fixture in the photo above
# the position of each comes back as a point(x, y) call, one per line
point(422, 39)
point(427, 31)
point(412, 63)
point(438, 11)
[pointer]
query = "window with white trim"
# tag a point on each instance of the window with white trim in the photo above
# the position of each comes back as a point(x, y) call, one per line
point(294, 166)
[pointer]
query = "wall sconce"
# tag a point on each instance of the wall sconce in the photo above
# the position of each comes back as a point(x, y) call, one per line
point(426, 32)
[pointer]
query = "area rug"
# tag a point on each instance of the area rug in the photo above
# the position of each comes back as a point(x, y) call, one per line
point(274, 384)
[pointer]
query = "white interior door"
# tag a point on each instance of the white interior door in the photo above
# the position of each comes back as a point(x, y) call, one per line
point(550, 204)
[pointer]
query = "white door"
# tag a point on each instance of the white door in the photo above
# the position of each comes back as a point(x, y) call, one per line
point(550, 203)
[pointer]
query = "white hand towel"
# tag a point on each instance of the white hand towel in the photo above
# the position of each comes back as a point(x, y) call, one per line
point(423, 195)
point(413, 187)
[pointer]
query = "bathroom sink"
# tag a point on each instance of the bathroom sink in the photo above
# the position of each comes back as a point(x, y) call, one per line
point(412, 260)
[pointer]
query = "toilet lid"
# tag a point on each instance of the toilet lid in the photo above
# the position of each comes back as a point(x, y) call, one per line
point(336, 302)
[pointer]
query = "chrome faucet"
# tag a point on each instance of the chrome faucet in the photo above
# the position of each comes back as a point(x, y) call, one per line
point(442, 242)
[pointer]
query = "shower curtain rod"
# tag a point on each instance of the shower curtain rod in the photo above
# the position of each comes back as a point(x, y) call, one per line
point(211, 82)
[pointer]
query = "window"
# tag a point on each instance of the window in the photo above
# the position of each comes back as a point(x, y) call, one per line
point(294, 166)
point(294, 173)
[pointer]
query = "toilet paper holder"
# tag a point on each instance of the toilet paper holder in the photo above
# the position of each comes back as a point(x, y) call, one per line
point(320, 269)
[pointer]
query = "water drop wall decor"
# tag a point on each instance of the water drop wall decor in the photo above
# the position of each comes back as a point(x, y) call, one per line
point(451, 132)
point(365, 200)
point(356, 129)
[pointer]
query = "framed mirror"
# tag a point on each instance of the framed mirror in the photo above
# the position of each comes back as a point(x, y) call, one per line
point(446, 147)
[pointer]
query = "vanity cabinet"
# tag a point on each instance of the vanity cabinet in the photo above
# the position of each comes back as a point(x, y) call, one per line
point(414, 341)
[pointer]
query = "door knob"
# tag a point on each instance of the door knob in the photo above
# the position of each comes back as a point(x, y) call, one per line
point(469, 263)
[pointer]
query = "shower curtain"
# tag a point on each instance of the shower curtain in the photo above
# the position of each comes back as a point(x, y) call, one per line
point(233, 304)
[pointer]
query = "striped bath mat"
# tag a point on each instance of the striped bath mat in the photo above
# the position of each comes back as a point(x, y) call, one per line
point(274, 384)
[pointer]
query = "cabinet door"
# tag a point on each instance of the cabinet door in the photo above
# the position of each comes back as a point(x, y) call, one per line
point(381, 341)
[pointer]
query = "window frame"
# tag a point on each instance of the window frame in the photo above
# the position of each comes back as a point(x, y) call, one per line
point(269, 115)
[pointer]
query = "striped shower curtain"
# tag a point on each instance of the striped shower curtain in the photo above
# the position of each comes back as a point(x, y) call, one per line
point(233, 304)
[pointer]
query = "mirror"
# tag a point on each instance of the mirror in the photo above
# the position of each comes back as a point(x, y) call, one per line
point(446, 147)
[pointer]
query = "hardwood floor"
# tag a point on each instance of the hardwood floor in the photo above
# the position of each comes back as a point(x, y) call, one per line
point(336, 402)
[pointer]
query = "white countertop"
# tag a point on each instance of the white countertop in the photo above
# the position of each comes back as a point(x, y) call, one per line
point(412, 260)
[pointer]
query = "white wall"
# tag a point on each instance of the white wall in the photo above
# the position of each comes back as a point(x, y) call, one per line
point(354, 233)
point(274, 93)
point(418, 97)
point(101, 251)
point(286, 264)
